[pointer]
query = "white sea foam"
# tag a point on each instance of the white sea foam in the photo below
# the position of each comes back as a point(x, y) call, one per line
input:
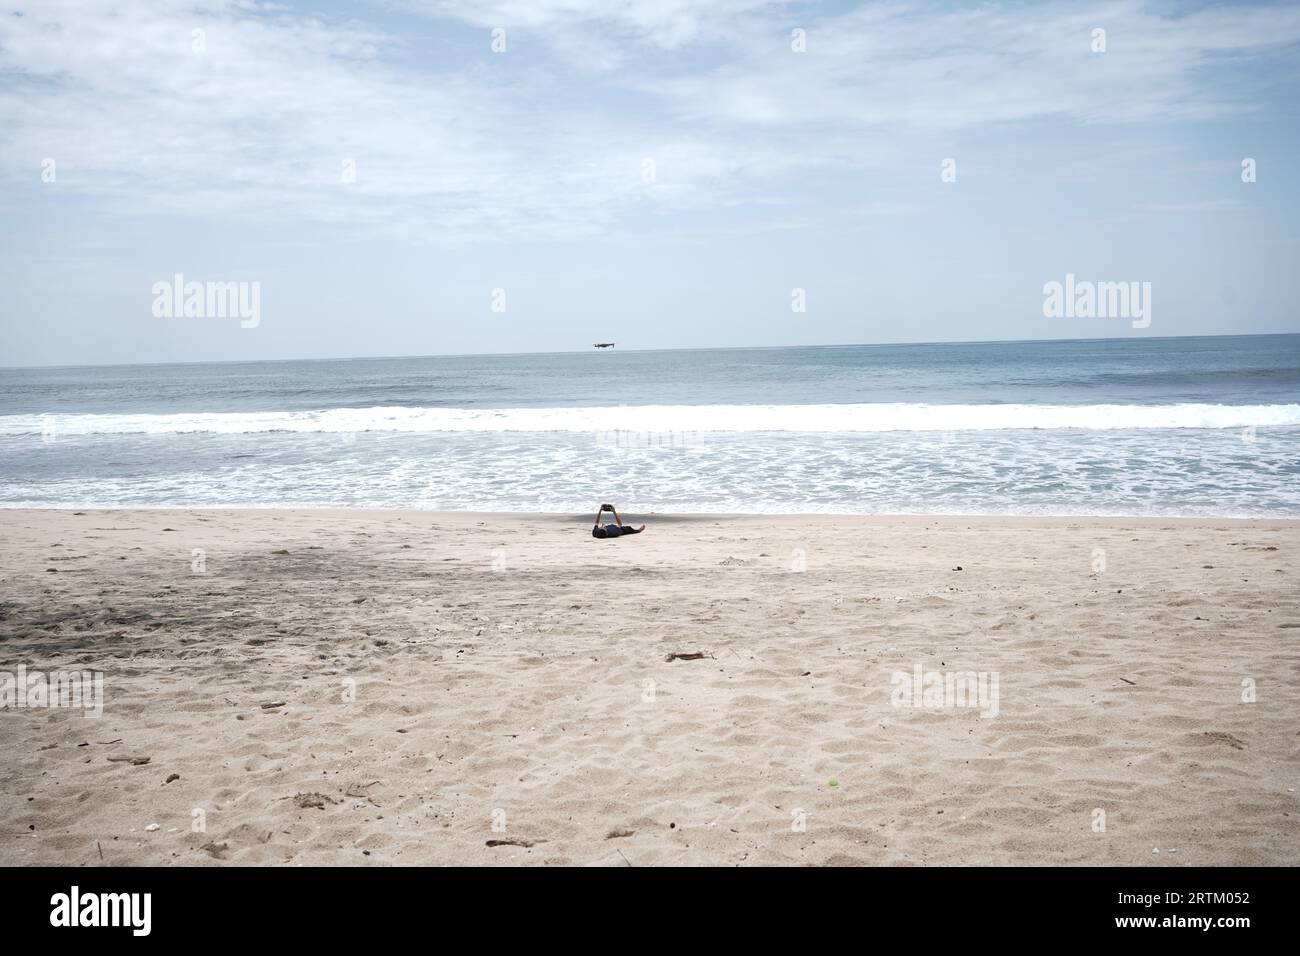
point(880, 417)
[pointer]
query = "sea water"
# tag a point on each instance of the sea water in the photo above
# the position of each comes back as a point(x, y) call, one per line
point(1191, 426)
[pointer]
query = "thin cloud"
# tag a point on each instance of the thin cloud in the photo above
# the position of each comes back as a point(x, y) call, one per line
point(264, 122)
point(909, 65)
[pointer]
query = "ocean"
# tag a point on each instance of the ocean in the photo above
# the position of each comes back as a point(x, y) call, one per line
point(1168, 427)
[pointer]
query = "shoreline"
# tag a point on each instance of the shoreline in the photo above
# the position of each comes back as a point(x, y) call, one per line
point(650, 516)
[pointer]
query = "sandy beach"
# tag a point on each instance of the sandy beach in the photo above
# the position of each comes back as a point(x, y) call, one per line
point(365, 687)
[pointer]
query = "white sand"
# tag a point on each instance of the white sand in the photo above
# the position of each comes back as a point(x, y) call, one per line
point(512, 669)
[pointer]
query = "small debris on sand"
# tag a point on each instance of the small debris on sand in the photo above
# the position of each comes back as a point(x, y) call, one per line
point(312, 801)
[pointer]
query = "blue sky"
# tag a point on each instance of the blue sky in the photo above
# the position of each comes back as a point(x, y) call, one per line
point(527, 171)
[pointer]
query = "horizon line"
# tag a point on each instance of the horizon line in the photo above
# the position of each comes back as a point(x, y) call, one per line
point(711, 348)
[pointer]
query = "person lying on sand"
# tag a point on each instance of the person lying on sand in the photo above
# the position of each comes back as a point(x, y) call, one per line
point(615, 530)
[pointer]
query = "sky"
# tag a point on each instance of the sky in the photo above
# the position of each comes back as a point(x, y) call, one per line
point(415, 177)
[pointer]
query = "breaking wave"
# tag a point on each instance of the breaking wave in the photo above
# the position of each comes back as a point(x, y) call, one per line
point(876, 417)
